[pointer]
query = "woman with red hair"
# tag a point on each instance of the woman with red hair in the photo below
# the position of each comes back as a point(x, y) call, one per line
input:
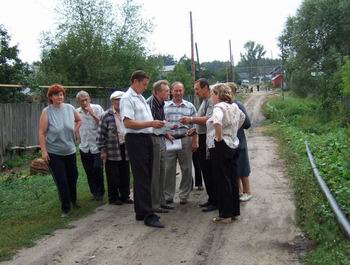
point(59, 124)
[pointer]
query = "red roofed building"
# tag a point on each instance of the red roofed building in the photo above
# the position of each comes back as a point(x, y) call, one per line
point(277, 80)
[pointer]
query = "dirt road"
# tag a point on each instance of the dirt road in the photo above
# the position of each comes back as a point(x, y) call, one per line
point(265, 234)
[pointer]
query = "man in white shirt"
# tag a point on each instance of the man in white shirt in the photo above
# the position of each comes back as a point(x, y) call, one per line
point(89, 153)
point(138, 121)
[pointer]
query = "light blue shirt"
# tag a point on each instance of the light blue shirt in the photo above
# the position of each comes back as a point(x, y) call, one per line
point(60, 139)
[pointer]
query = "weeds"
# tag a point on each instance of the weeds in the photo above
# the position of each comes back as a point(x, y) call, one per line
point(292, 122)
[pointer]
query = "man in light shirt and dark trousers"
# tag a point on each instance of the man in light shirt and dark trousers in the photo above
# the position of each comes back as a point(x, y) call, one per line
point(89, 153)
point(139, 123)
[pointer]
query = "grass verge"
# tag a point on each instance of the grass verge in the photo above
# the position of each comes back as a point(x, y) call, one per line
point(291, 122)
point(30, 207)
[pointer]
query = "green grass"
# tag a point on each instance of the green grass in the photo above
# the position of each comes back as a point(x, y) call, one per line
point(30, 207)
point(293, 121)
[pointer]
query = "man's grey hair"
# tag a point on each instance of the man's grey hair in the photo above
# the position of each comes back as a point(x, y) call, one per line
point(82, 94)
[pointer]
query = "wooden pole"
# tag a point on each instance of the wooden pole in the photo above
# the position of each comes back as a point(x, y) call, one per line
point(198, 63)
point(193, 67)
point(231, 64)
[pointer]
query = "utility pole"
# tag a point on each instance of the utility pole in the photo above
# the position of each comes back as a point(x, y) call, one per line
point(196, 101)
point(198, 63)
point(231, 64)
point(193, 67)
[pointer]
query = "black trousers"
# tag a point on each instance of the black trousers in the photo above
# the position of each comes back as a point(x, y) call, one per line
point(94, 172)
point(197, 169)
point(140, 150)
point(118, 178)
point(65, 174)
point(206, 168)
point(224, 163)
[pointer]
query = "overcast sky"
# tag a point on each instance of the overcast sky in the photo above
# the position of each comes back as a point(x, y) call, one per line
point(214, 22)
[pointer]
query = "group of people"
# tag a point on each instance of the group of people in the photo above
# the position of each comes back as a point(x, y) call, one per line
point(150, 137)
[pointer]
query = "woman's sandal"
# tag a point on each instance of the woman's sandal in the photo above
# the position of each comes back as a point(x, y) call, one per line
point(220, 220)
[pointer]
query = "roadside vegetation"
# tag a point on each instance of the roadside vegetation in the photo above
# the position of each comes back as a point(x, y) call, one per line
point(30, 206)
point(292, 121)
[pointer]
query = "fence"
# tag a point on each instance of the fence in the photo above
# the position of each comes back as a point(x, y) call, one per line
point(19, 123)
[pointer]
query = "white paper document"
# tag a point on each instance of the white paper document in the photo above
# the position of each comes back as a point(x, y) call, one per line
point(176, 145)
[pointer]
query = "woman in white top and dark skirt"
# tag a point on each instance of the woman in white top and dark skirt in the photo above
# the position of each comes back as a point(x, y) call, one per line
point(222, 143)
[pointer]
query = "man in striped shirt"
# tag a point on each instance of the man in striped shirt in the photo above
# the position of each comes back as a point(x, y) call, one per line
point(174, 110)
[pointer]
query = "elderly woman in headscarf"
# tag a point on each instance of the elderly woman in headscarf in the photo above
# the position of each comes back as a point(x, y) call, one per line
point(222, 142)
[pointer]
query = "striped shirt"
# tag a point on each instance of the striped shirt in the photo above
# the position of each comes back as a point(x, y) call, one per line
point(88, 129)
point(174, 112)
point(107, 137)
point(135, 107)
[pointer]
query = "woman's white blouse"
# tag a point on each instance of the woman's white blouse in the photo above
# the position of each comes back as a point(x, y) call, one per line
point(231, 118)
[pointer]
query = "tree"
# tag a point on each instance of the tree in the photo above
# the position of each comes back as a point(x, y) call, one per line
point(315, 47)
point(182, 72)
point(95, 44)
point(253, 54)
point(12, 70)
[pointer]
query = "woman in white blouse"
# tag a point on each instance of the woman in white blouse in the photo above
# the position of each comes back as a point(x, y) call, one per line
point(222, 143)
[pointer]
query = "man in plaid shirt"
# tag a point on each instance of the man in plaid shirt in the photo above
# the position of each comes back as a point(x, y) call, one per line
point(111, 143)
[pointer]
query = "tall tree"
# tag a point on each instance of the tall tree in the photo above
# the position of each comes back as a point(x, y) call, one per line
point(12, 70)
point(254, 52)
point(315, 45)
point(96, 44)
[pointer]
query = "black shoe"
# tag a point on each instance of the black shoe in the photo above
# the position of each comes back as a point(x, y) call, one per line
point(152, 220)
point(139, 217)
point(168, 207)
point(76, 205)
point(160, 210)
point(117, 202)
point(206, 204)
point(210, 208)
point(128, 201)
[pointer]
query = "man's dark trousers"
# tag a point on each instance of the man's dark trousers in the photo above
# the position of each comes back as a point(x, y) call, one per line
point(118, 178)
point(94, 172)
point(140, 150)
point(206, 168)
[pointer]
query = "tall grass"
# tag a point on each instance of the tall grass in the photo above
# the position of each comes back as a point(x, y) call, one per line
point(292, 121)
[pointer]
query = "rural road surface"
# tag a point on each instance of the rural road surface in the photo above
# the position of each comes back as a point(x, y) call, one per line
point(265, 234)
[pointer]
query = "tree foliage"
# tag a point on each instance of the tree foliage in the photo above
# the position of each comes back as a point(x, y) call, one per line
point(96, 44)
point(12, 69)
point(314, 46)
point(345, 78)
point(254, 52)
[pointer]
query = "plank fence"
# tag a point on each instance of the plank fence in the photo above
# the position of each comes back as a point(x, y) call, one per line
point(19, 123)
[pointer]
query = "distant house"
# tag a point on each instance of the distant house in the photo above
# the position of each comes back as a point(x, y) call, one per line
point(277, 80)
point(167, 69)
